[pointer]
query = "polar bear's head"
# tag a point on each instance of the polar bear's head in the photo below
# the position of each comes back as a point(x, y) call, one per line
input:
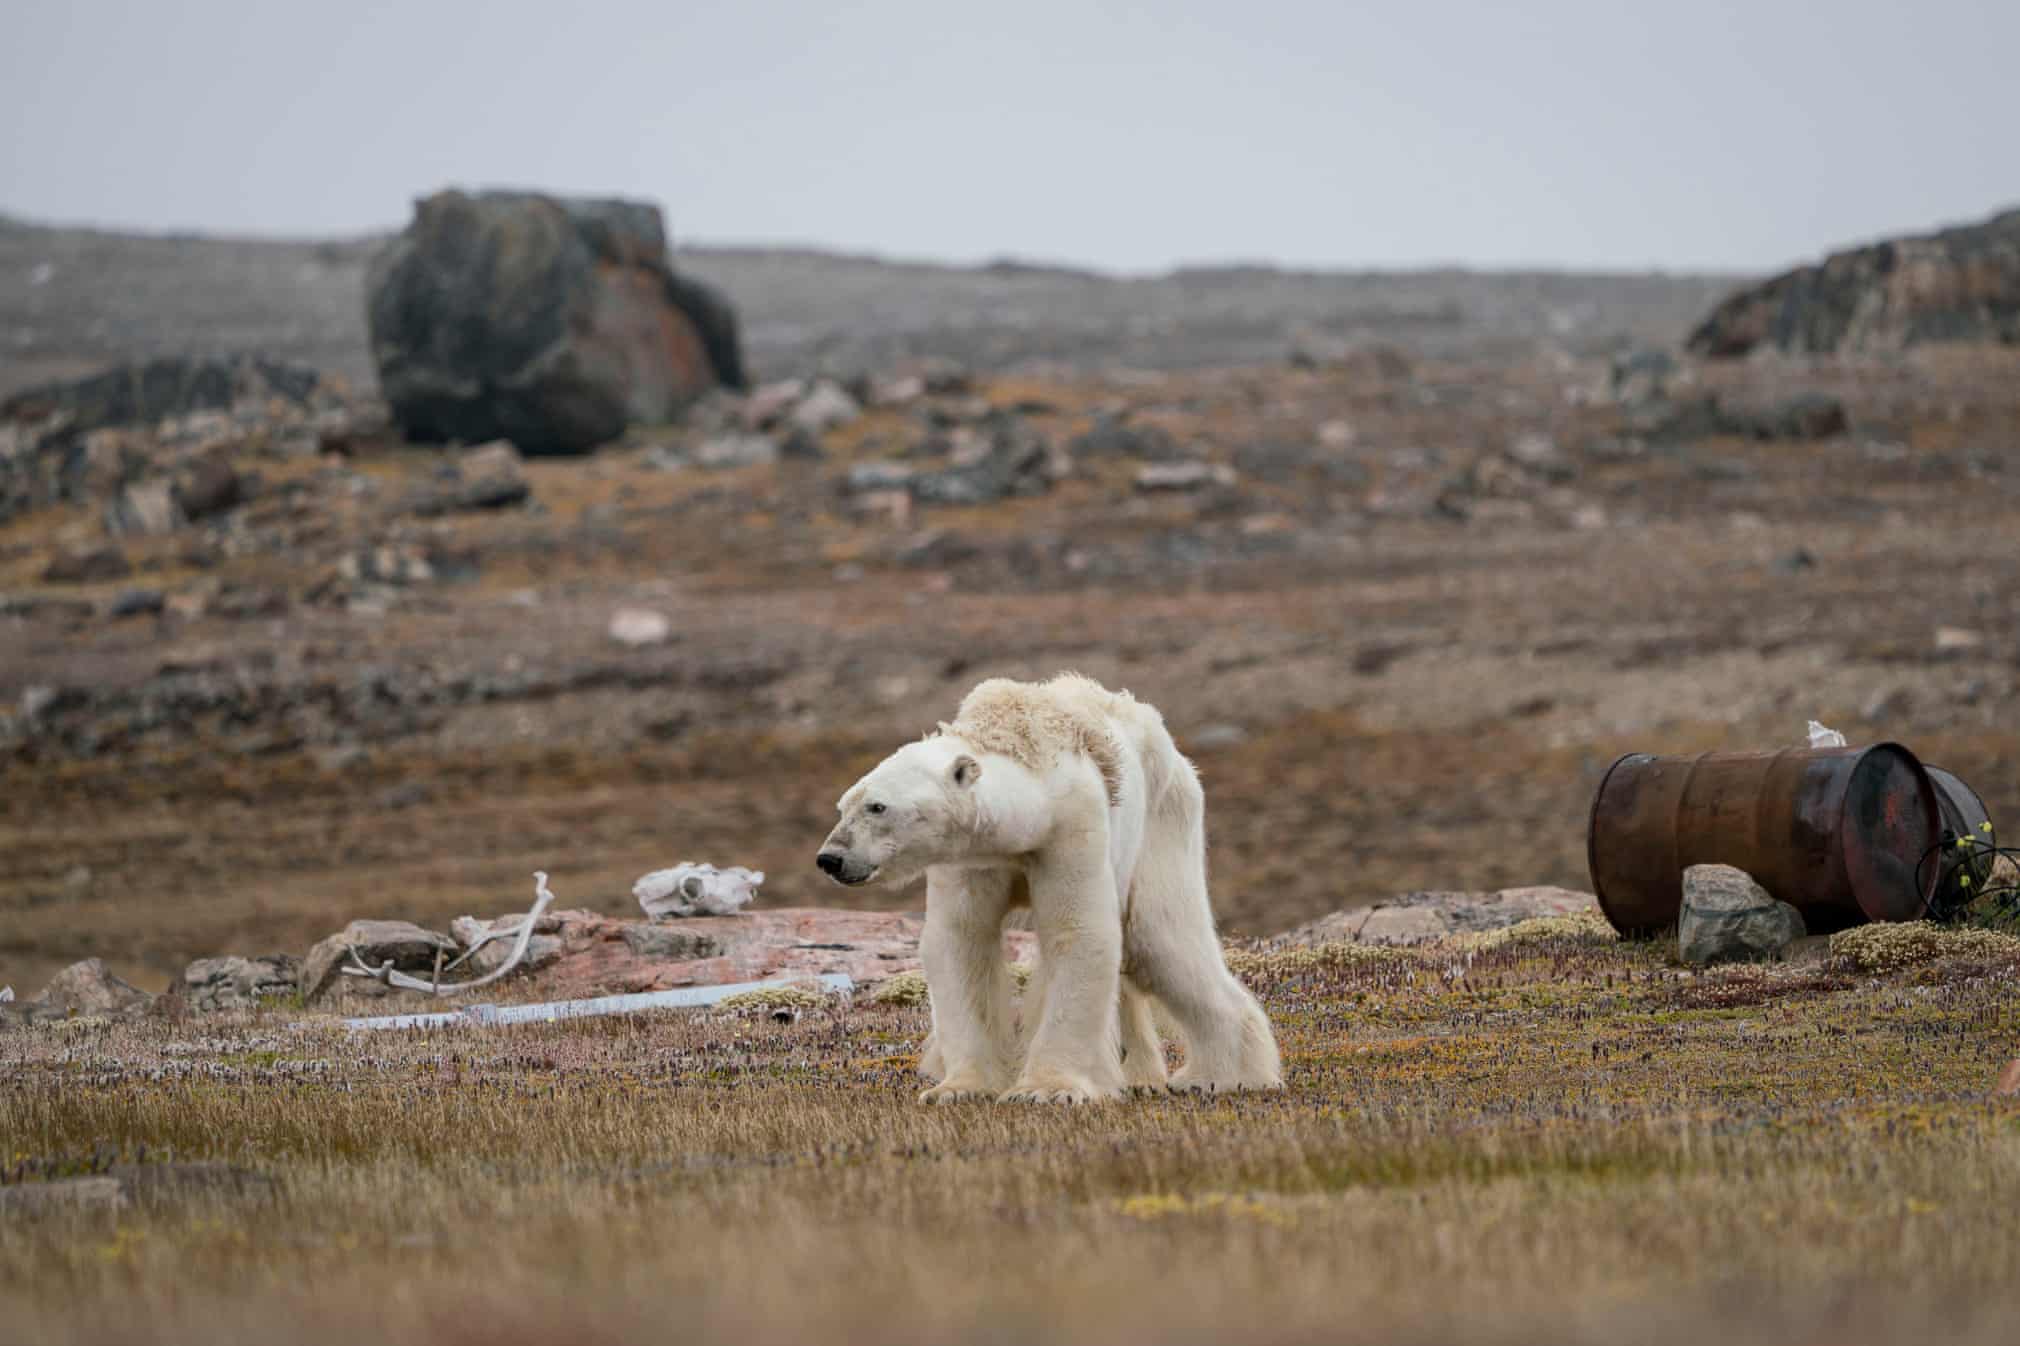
point(916, 810)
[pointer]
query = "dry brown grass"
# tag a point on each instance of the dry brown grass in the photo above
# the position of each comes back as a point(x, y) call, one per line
point(1533, 1142)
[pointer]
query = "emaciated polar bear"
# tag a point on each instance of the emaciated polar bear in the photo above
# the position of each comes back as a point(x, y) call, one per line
point(1073, 800)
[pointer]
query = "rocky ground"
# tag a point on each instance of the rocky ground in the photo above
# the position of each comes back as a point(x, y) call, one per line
point(267, 669)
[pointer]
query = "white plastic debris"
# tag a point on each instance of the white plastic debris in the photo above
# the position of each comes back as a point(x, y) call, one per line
point(1821, 737)
point(690, 889)
point(686, 997)
point(6, 994)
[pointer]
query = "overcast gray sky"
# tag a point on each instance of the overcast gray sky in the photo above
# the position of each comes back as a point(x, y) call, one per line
point(1591, 133)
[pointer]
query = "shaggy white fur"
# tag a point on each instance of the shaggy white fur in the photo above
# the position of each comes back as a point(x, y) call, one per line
point(1072, 800)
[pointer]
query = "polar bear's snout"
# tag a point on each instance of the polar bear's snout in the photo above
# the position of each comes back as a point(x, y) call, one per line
point(837, 866)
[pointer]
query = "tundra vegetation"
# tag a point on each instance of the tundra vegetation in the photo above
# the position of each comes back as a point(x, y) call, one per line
point(1540, 1135)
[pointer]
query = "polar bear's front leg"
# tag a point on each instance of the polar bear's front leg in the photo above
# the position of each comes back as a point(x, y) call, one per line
point(974, 1028)
point(1073, 1057)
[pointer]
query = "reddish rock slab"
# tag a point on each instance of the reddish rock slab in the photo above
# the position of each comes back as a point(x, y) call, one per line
point(606, 955)
point(2009, 1080)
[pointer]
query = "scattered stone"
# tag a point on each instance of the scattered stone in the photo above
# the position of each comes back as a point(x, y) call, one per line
point(2009, 1080)
point(213, 984)
point(554, 322)
point(1114, 437)
point(692, 889)
point(88, 988)
point(864, 478)
point(637, 627)
point(145, 509)
point(407, 946)
point(768, 404)
point(211, 486)
point(1802, 417)
point(1795, 562)
point(736, 451)
point(1727, 917)
point(87, 567)
point(825, 408)
point(1017, 462)
point(1951, 639)
point(1336, 435)
point(1183, 476)
point(1538, 453)
point(490, 476)
point(937, 549)
point(1639, 376)
point(397, 564)
point(137, 603)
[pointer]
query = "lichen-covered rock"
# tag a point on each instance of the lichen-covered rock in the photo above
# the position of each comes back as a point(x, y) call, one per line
point(405, 945)
point(1728, 917)
point(551, 322)
point(213, 984)
point(1961, 284)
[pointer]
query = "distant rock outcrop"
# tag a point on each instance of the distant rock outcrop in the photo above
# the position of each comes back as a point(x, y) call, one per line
point(551, 322)
point(1961, 284)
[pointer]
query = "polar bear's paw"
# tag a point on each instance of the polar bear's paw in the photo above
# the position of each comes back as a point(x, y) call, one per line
point(957, 1092)
point(1059, 1089)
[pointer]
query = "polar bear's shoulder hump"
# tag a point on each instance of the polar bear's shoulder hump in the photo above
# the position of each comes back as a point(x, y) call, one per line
point(1037, 723)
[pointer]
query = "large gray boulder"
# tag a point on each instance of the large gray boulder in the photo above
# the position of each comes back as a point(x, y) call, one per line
point(1727, 917)
point(548, 321)
point(1960, 284)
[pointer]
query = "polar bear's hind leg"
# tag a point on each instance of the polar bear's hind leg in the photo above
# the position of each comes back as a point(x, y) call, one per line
point(1174, 953)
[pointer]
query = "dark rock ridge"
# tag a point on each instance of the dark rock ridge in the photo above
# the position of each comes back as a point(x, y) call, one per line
point(1961, 284)
point(549, 321)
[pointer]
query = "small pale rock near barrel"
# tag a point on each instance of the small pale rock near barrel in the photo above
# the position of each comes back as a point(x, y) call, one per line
point(407, 946)
point(1727, 917)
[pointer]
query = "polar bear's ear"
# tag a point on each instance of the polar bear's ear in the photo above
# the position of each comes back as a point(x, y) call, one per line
point(966, 770)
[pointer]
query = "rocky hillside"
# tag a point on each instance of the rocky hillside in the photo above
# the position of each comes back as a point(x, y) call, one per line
point(73, 300)
point(1960, 284)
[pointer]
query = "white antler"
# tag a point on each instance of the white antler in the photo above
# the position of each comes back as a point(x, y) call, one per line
point(385, 973)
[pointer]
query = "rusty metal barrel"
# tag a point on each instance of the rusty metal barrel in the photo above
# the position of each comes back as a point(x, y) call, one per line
point(1837, 833)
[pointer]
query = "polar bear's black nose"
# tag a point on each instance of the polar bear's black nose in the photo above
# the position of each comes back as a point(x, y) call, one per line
point(831, 863)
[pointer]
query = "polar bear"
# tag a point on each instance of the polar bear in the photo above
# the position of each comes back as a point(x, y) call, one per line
point(1072, 800)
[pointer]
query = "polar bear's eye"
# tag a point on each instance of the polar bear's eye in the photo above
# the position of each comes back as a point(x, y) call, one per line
point(875, 807)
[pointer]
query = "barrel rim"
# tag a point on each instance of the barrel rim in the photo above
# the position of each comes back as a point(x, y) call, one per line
point(1932, 814)
point(1592, 844)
